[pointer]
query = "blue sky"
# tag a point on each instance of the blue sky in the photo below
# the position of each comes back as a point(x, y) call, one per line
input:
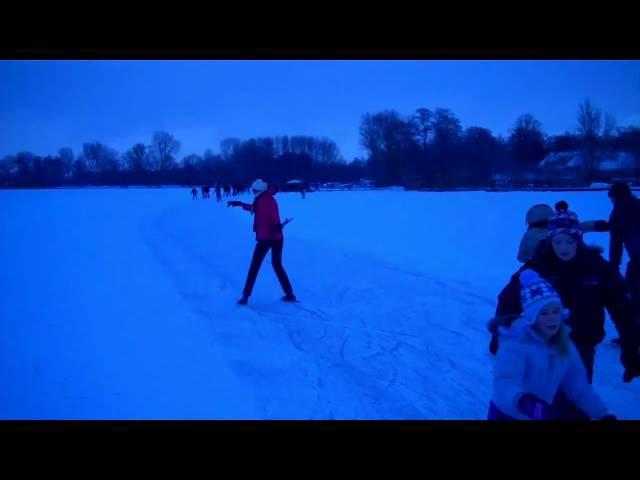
point(46, 105)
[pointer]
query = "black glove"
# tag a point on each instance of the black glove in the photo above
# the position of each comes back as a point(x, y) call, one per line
point(601, 226)
point(609, 417)
point(533, 407)
point(234, 203)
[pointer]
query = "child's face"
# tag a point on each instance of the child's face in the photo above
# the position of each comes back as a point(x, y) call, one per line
point(549, 320)
point(564, 246)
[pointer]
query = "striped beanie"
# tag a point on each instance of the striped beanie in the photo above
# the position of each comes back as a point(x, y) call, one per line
point(535, 293)
point(564, 221)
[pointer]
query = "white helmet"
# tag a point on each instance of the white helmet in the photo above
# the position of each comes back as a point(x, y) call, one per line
point(259, 186)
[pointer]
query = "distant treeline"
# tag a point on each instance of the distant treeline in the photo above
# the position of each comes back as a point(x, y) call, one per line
point(426, 149)
point(431, 149)
point(277, 159)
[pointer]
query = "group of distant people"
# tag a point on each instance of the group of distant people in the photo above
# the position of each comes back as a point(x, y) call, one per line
point(227, 189)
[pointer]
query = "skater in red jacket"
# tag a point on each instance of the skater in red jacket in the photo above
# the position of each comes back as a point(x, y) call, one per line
point(268, 228)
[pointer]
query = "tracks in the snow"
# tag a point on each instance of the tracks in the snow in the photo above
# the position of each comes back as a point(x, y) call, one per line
point(367, 351)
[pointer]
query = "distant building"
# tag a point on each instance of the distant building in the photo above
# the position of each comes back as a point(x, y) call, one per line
point(293, 186)
point(607, 166)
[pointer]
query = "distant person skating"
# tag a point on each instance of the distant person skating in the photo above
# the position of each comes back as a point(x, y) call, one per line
point(194, 194)
point(218, 194)
point(269, 236)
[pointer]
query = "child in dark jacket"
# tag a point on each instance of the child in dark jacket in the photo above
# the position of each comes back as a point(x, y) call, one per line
point(537, 228)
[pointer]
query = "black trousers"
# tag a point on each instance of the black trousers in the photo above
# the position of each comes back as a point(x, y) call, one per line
point(632, 279)
point(261, 250)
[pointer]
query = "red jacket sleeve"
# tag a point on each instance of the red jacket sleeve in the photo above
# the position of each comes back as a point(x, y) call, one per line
point(272, 214)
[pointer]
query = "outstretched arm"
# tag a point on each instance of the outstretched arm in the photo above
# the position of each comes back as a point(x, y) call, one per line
point(594, 226)
point(245, 206)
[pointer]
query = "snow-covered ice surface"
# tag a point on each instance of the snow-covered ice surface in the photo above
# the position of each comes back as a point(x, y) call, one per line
point(121, 304)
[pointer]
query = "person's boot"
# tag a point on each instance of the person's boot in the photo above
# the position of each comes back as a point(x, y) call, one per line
point(244, 300)
point(289, 297)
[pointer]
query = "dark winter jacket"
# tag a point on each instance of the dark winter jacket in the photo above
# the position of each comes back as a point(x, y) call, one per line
point(587, 285)
point(624, 226)
point(266, 220)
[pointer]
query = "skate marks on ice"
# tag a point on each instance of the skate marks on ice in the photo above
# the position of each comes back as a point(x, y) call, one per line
point(367, 340)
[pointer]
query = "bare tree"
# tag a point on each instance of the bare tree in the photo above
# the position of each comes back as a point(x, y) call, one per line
point(589, 120)
point(388, 137)
point(136, 157)
point(99, 157)
point(90, 155)
point(526, 142)
point(446, 127)
point(384, 131)
point(327, 151)
point(66, 155)
point(528, 122)
point(163, 149)
point(422, 126)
